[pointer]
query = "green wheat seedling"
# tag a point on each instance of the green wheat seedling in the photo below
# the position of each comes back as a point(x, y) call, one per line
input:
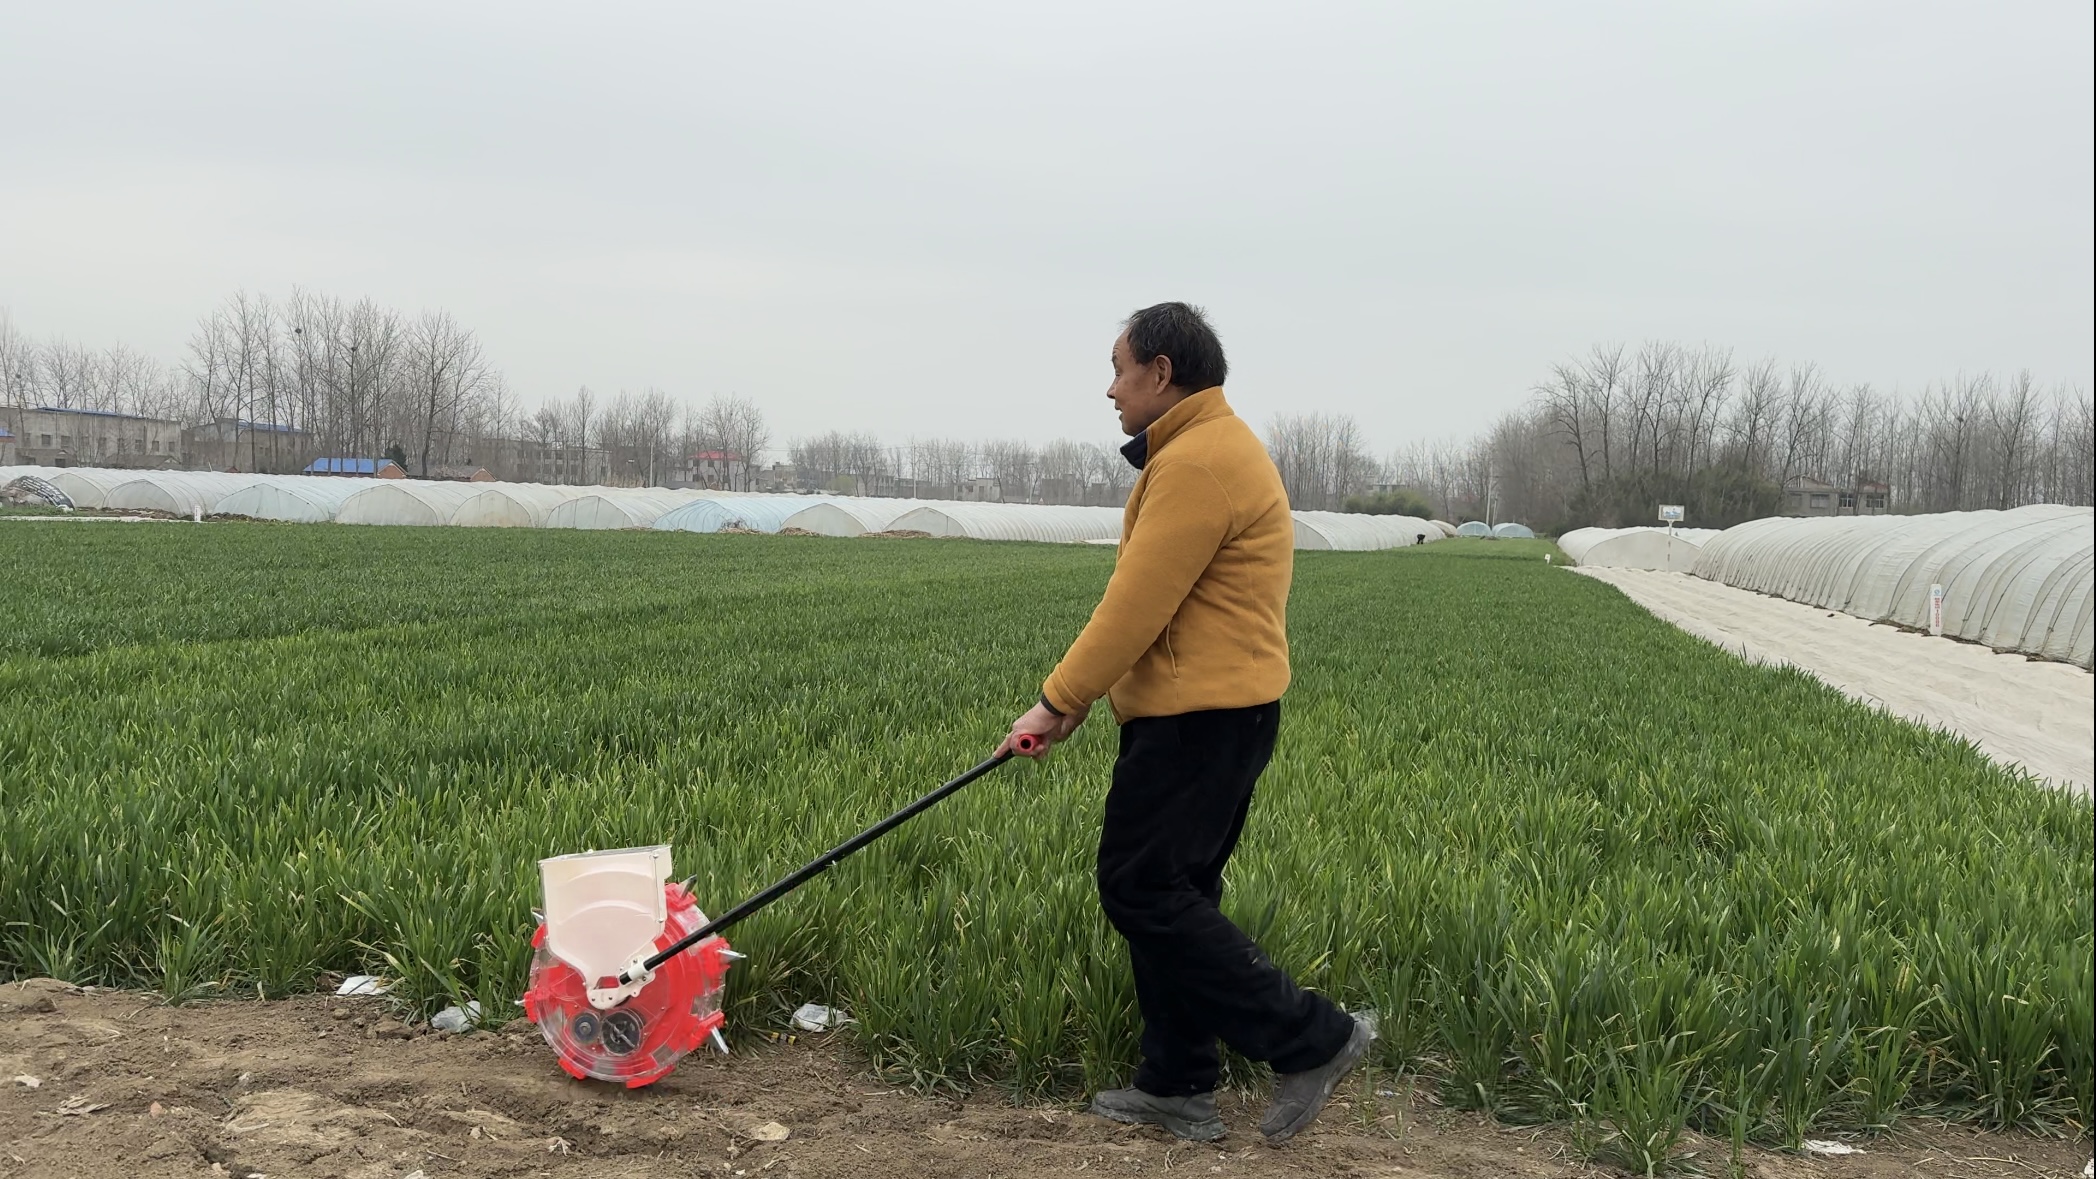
point(1585, 868)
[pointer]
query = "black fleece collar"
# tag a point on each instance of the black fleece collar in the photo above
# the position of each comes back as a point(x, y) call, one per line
point(1137, 450)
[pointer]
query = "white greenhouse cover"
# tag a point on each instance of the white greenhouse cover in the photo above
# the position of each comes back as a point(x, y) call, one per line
point(1446, 528)
point(758, 513)
point(1512, 531)
point(1357, 532)
point(89, 487)
point(619, 507)
point(1474, 528)
point(302, 499)
point(181, 493)
point(851, 515)
point(405, 501)
point(512, 505)
point(1635, 548)
point(10, 474)
point(2017, 580)
point(1045, 522)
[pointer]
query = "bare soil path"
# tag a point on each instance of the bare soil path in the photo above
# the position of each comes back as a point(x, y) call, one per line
point(114, 1083)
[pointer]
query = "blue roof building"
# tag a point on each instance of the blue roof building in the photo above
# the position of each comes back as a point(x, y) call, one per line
point(369, 468)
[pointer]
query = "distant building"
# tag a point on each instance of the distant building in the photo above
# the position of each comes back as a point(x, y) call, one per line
point(50, 436)
point(720, 470)
point(235, 444)
point(7, 447)
point(529, 461)
point(361, 467)
point(1080, 491)
point(983, 490)
point(1063, 489)
point(1805, 495)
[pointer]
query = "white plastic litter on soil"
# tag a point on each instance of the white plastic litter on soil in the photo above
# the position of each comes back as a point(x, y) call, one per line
point(2040, 716)
point(455, 1019)
point(814, 1017)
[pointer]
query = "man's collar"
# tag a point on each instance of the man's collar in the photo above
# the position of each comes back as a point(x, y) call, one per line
point(1204, 406)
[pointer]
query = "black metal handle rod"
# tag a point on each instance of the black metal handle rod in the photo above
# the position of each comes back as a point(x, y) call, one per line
point(817, 866)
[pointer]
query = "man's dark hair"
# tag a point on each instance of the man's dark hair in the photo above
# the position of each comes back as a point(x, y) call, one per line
point(1181, 334)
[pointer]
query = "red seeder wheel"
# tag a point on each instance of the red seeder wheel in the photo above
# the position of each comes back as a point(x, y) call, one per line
point(639, 1041)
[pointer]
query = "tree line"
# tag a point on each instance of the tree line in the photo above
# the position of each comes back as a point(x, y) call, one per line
point(1610, 435)
point(1061, 471)
point(360, 379)
point(1604, 438)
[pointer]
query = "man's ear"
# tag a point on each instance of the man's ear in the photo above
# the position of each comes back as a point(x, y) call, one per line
point(1162, 366)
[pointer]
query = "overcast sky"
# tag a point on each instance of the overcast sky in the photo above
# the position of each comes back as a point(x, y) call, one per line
point(929, 218)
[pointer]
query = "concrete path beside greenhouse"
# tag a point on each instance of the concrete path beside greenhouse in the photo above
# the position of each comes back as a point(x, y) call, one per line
point(2040, 716)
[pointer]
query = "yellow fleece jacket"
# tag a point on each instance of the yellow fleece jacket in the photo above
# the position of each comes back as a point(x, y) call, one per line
point(1196, 614)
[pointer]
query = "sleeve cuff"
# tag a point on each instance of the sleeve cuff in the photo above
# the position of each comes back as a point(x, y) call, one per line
point(1057, 698)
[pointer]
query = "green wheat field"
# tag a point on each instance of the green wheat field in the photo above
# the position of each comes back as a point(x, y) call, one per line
point(1584, 867)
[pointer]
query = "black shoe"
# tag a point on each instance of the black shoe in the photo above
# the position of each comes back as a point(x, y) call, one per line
point(1300, 1097)
point(1192, 1118)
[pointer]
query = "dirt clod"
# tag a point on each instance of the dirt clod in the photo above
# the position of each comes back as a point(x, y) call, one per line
point(33, 996)
point(172, 1148)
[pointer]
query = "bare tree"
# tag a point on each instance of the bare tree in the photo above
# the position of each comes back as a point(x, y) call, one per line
point(938, 466)
point(18, 358)
point(1322, 458)
point(1602, 382)
point(1014, 466)
point(66, 375)
point(653, 416)
point(577, 417)
point(1564, 399)
point(837, 461)
point(734, 425)
point(1709, 380)
point(445, 368)
point(1107, 468)
point(1062, 470)
point(2012, 419)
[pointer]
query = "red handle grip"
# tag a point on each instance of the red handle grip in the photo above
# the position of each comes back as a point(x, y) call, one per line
point(1026, 745)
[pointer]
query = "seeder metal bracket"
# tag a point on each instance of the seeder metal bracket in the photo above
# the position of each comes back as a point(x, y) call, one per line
point(636, 975)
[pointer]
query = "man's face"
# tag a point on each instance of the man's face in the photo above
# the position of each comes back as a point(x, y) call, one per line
point(1140, 392)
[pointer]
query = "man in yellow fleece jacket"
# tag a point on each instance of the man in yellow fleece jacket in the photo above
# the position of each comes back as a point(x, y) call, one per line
point(1190, 642)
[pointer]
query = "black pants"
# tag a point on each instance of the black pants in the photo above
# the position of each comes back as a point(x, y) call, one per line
point(1181, 789)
